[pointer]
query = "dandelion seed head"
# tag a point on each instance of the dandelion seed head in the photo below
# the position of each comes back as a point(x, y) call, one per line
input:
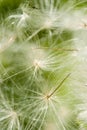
point(31, 108)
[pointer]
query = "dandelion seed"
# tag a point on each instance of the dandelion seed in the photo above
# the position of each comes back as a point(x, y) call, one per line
point(8, 117)
point(41, 106)
point(13, 121)
point(49, 95)
point(41, 61)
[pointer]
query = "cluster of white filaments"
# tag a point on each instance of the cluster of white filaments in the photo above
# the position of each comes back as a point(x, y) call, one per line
point(44, 28)
point(9, 118)
point(43, 103)
point(39, 59)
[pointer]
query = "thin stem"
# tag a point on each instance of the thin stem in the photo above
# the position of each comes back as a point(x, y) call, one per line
point(48, 96)
point(36, 32)
point(58, 49)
